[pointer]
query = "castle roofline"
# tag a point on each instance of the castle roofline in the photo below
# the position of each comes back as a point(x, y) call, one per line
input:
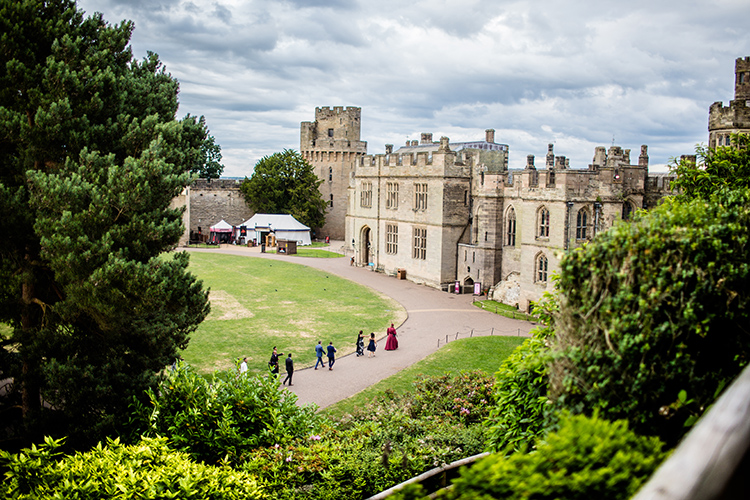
point(455, 146)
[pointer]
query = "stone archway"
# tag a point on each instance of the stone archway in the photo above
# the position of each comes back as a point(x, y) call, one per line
point(365, 246)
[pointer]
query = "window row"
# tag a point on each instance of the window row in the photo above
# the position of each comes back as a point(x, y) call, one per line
point(419, 241)
point(583, 223)
point(391, 195)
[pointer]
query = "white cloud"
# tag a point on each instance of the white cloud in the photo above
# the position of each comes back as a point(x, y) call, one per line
point(574, 74)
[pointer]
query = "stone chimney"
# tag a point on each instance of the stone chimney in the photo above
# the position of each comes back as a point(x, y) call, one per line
point(444, 148)
point(388, 149)
point(530, 162)
point(600, 156)
point(426, 139)
point(489, 135)
point(550, 160)
point(643, 158)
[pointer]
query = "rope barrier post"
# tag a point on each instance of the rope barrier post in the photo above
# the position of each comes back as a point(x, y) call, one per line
point(446, 339)
point(472, 333)
point(492, 332)
point(519, 333)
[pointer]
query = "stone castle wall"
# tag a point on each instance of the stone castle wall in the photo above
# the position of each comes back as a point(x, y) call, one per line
point(212, 200)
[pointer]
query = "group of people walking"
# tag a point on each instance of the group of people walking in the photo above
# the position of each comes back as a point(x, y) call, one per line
point(329, 351)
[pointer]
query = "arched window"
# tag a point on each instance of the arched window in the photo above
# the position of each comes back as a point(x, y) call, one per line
point(510, 228)
point(331, 201)
point(544, 223)
point(582, 224)
point(330, 174)
point(627, 210)
point(541, 268)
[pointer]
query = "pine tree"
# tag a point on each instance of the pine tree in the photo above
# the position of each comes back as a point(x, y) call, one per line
point(91, 156)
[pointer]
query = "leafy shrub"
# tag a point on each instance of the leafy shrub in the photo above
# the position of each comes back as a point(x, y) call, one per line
point(517, 418)
point(655, 309)
point(147, 470)
point(391, 440)
point(518, 415)
point(718, 169)
point(464, 397)
point(586, 458)
point(226, 418)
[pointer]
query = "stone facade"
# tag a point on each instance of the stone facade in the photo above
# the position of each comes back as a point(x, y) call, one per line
point(211, 200)
point(724, 121)
point(331, 145)
point(444, 215)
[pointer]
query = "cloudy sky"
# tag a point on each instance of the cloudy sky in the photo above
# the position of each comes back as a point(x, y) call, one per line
point(577, 74)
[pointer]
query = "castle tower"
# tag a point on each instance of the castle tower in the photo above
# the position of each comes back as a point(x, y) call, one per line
point(331, 145)
point(724, 121)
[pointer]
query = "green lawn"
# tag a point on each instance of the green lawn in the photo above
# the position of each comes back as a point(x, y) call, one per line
point(503, 310)
point(257, 303)
point(477, 353)
point(316, 250)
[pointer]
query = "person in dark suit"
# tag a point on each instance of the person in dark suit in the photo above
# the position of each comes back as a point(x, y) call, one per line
point(331, 355)
point(289, 370)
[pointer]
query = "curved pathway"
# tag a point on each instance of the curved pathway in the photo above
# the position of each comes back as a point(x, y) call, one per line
point(432, 314)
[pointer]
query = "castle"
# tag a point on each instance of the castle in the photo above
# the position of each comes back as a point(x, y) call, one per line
point(459, 214)
point(447, 214)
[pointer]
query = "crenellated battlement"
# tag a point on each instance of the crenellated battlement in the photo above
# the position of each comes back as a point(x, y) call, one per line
point(723, 121)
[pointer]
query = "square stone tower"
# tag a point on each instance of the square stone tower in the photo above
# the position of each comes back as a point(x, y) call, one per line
point(724, 121)
point(331, 145)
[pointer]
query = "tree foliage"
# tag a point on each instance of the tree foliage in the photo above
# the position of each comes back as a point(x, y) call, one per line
point(284, 183)
point(718, 169)
point(654, 315)
point(90, 158)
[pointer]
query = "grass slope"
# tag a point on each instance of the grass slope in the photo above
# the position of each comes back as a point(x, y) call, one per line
point(258, 303)
point(477, 353)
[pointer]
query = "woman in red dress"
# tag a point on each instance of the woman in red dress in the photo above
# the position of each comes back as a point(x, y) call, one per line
point(392, 343)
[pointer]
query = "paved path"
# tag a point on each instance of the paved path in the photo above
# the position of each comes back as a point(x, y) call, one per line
point(432, 314)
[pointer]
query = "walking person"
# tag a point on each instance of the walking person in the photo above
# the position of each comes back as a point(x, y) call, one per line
point(319, 353)
point(392, 343)
point(273, 364)
point(371, 346)
point(243, 366)
point(289, 370)
point(331, 355)
point(360, 344)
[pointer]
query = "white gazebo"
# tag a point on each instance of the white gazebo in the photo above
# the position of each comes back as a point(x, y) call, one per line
point(221, 232)
point(283, 226)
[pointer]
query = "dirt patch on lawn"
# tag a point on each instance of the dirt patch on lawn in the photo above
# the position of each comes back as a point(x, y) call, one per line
point(225, 307)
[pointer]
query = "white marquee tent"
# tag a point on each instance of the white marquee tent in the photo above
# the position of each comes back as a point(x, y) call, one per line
point(284, 226)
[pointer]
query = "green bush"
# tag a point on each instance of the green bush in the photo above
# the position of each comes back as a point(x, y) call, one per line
point(225, 418)
point(517, 418)
point(389, 441)
point(653, 315)
point(586, 458)
point(146, 470)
